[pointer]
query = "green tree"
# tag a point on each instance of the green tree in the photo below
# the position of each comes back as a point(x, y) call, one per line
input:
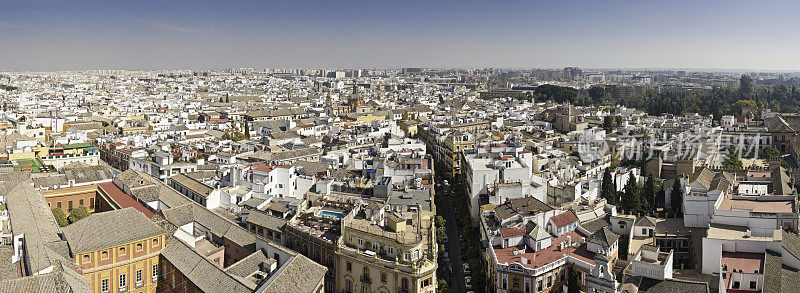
point(573, 286)
point(607, 188)
point(608, 123)
point(78, 214)
point(768, 152)
point(676, 196)
point(597, 93)
point(649, 192)
point(246, 129)
point(631, 201)
point(442, 286)
point(745, 84)
point(732, 161)
point(740, 106)
point(440, 228)
point(61, 218)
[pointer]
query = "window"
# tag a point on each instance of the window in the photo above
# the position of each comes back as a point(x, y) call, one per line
point(91, 202)
point(752, 284)
point(505, 284)
point(550, 280)
point(86, 258)
point(408, 255)
point(365, 289)
point(155, 242)
point(516, 282)
point(122, 250)
point(360, 242)
point(375, 246)
point(348, 285)
point(426, 282)
point(404, 284)
point(138, 246)
point(58, 204)
point(81, 202)
point(104, 255)
point(139, 280)
point(539, 285)
point(173, 281)
point(123, 284)
point(349, 266)
point(69, 206)
point(155, 273)
point(104, 285)
point(383, 277)
point(736, 285)
point(390, 250)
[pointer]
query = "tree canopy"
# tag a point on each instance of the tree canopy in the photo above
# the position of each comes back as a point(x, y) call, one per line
point(61, 218)
point(607, 188)
point(78, 214)
point(676, 196)
point(732, 161)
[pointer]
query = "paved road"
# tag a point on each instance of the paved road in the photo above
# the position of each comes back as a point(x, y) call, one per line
point(453, 247)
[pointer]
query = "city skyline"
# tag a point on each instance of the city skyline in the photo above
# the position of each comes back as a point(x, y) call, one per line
point(85, 35)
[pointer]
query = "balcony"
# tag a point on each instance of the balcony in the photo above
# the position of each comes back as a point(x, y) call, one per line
point(419, 268)
point(366, 279)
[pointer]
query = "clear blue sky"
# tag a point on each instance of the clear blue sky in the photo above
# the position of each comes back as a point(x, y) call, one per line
point(75, 34)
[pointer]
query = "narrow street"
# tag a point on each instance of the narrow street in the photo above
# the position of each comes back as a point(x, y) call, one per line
point(453, 246)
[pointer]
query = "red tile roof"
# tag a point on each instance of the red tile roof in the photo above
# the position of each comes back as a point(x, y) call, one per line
point(124, 200)
point(564, 219)
point(545, 256)
point(511, 232)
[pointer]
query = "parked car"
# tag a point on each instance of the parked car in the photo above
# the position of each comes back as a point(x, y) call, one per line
point(468, 283)
point(467, 270)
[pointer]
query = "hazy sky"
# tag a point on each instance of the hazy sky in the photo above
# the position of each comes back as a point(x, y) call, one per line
point(169, 34)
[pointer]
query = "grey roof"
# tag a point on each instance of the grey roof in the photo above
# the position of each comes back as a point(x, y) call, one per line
point(300, 274)
point(772, 272)
point(80, 172)
point(648, 285)
point(192, 184)
point(266, 221)
point(603, 237)
point(133, 179)
point(250, 264)
point(108, 229)
point(780, 182)
point(789, 278)
point(61, 279)
point(595, 225)
point(646, 221)
point(791, 243)
point(49, 180)
point(252, 202)
point(521, 206)
point(199, 270)
point(29, 215)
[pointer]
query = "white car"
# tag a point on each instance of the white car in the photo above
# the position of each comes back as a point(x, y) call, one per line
point(467, 271)
point(468, 282)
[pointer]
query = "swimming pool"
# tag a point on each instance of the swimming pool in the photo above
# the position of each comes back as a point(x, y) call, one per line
point(330, 214)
